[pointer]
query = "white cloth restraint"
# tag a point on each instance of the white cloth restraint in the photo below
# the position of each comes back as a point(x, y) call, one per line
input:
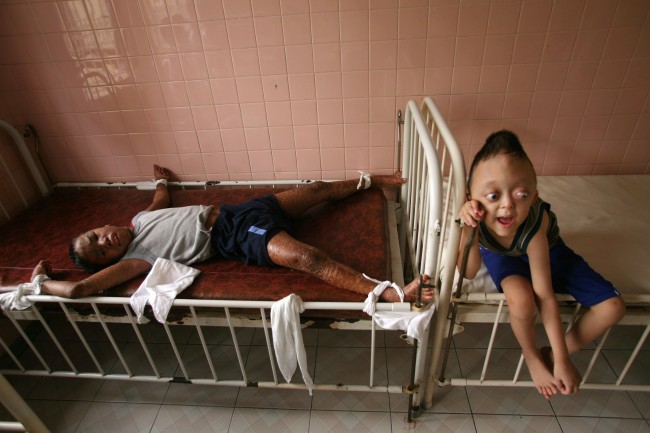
point(165, 281)
point(17, 299)
point(371, 300)
point(364, 180)
point(414, 323)
point(287, 338)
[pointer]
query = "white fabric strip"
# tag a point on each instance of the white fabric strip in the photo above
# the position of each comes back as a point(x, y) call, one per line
point(17, 299)
point(161, 286)
point(414, 323)
point(287, 338)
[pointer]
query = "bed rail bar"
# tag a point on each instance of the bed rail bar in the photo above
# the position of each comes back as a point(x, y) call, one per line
point(24, 151)
point(111, 360)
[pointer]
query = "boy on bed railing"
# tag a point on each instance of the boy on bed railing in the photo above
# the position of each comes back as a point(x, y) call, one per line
point(519, 242)
point(255, 232)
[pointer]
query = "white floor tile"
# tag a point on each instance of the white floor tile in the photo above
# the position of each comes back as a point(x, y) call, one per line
point(201, 395)
point(450, 400)
point(639, 371)
point(430, 423)
point(603, 425)
point(224, 361)
point(352, 401)
point(60, 416)
point(592, 403)
point(349, 366)
point(118, 418)
point(642, 402)
point(269, 421)
point(517, 423)
point(132, 391)
point(192, 419)
point(273, 398)
point(507, 401)
point(57, 388)
point(341, 422)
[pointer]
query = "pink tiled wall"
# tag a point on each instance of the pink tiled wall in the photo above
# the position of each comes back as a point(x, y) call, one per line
point(259, 89)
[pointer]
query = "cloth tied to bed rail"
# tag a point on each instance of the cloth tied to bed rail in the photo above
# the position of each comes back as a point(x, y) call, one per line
point(161, 286)
point(287, 338)
point(413, 323)
point(17, 299)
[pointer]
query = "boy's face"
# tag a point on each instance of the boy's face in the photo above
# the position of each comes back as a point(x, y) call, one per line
point(103, 245)
point(506, 187)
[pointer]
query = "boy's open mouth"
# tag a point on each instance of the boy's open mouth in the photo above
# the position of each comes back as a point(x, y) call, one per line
point(506, 222)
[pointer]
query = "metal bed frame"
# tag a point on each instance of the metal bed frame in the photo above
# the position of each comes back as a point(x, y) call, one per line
point(429, 155)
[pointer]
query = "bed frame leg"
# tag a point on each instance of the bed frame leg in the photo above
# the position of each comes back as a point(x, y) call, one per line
point(19, 409)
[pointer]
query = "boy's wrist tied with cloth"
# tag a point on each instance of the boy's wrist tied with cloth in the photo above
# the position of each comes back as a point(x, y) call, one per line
point(160, 182)
point(37, 281)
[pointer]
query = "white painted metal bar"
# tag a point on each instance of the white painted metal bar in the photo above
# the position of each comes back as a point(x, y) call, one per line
point(491, 343)
point(29, 342)
point(10, 352)
point(633, 356)
point(444, 268)
point(233, 334)
point(215, 303)
point(269, 345)
point(372, 354)
point(529, 384)
point(143, 345)
point(55, 340)
point(15, 404)
point(203, 344)
point(19, 141)
point(172, 342)
point(82, 339)
point(109, 335)
point(594, 357)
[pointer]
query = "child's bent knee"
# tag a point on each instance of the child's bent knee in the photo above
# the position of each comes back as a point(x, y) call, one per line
point(611, 310)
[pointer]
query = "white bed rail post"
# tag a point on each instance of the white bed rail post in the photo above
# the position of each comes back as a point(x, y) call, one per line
point(421, 207)
point(456, 184)
point(27, 419)
point(24, 151)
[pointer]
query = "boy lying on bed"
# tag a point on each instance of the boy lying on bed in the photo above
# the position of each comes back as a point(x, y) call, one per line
point(254, 231)
point(518, 240)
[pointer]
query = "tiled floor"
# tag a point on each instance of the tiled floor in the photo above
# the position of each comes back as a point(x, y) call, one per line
point(90, 405)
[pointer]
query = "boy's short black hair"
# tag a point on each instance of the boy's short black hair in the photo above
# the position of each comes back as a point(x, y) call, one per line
point(499, 142)
point(78, 261)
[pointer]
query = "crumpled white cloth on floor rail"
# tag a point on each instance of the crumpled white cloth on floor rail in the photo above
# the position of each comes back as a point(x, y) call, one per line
point(163, 283)
point(287, 338)
point(414, 323)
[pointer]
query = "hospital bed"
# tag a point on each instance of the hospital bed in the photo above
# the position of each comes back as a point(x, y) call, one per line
point(97, 337)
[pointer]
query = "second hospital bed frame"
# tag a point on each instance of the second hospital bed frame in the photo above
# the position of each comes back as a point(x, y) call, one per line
point(429, 154)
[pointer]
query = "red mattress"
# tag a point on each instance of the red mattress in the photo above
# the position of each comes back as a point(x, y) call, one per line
point(353, 231)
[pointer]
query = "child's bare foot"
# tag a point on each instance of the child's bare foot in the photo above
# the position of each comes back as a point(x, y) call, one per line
point(381, 181)
point(566, 375)
point(542, 377)
point(410, 292)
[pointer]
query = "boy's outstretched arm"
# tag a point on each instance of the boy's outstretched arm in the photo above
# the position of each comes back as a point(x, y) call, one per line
point(161, 195)
point(113, 275)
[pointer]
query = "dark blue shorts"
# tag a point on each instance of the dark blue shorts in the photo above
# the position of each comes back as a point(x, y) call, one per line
point(243, 231)
point(570, 273)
